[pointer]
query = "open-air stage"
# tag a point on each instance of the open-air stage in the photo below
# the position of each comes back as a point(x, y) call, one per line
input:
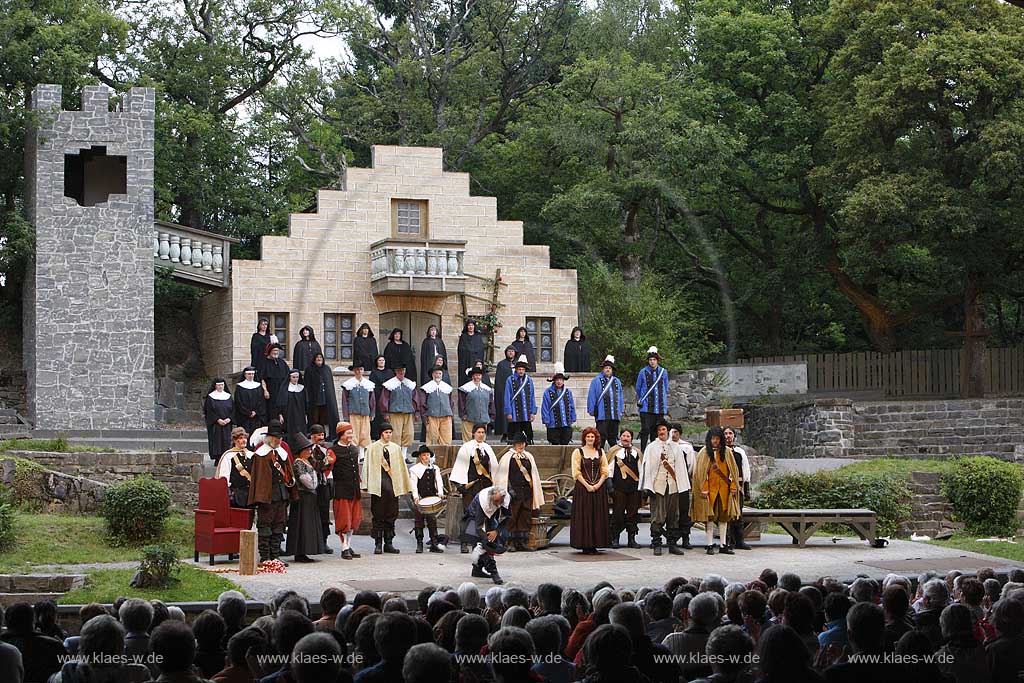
point(407, 573)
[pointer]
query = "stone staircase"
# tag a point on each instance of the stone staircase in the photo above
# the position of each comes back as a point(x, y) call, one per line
point(174, 440)
point(931, 513)
point(33, 588)
point(939, 428)
point(10, 426)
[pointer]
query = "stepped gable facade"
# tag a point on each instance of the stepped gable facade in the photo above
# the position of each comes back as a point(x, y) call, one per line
point(404, 245)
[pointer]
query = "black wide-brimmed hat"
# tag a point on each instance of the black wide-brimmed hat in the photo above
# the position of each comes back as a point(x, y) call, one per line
point(519, 437)
point(523, 362)
point(299, 442)
point(424, 448)
point(275, 428)
point(609, 361)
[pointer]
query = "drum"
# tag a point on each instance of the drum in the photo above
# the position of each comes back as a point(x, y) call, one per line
point(430, 505)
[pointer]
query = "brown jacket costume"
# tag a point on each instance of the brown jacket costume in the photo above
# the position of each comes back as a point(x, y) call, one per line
point(701, 472)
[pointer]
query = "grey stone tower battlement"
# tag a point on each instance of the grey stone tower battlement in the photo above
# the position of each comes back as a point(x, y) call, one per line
point(88, 314)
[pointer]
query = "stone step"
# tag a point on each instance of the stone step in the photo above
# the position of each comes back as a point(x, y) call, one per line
point(8, 599)
point(860, 452)
point(934, 478)
point(8, 412)
point(1000, 433)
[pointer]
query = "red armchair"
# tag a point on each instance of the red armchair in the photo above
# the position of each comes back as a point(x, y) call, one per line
point(217, 523)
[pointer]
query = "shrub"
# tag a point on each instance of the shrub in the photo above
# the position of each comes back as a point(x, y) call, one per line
point(26, 484)
point(985, 493)
point(6, 525)
point(886, 494)
point(158, 567)
point(135, 510)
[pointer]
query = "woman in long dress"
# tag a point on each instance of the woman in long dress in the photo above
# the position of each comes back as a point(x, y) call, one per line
point(259, 341)
point(504, 370)
point(305, 350)
point(431, 347)
point(576, 357)
point(304, 534)
point(378, 375)
point(716, 489)
point(524, 347)
point(218, 407)
point(364, 348)
point(589, 527)
point(398, 351)
point(472, 348)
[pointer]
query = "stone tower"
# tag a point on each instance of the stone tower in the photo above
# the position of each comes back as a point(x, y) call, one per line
point(88, 314)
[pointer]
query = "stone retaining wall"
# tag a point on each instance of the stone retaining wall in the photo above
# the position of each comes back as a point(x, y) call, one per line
point(55, 491)
point(821, 428)
point(180, 471)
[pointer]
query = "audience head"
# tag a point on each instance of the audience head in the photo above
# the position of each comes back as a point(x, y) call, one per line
point(629, 616)
point(396, 605)
point(248, 639)
point(423, 598)
point(681, 607)
point(549, 597)
point(160, 614)
point(20, 618)
point(1016, 575)
point(546, 635)
point(46, 613)
point(936, 594)
point(729, 648)
point(777, 601)
point(295, 603)
point(437, 609)
point(863, 590)
point(393, 634)
point(895, 602)
point(515, 596)
point(790, 582)
point(231, 606)
point(605, 599)
point(782, 653)
point(513, 653)
point(355, 619)
point(972, 591)
point(102, 635)
point(865, 623)
point(364, 638)
point(836, 606)
point(706, 610)
point(176, 613)
point(713, 583)
point(209, 629)
point(658, 605)
point(370, 598)
point(174, 646)
point(798, 613)
point(331, 602)
point(316, 657)
point(575, 606)
point(426, 663)
point(769, 577)
point(753, 605)
point(87, 612)
point(136, 615)
point(444, 630)
point(517, 616)
point(956, 622)
point(289, 628)
point(1008, 617)
point(471, 634)
point(493, 598)
point(608, 649)
point(469, 596)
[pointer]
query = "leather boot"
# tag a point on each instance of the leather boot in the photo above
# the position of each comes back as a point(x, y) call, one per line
point(464, 549)
point(419, 541)
point(674, 549)
point(433, 541)
point(615, 541)
point(725, 550)
point(656, 544)
point(632, 540)
point(378, 545)
point(389, 547)
point(263, 545)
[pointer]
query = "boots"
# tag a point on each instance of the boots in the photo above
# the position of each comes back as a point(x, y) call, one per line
point(389, 545)
point(736, 536)
point(348, 544)
point(615, 541)
point(378, 542)
point(492, 568)
point(276, 547)
point(656, 544)
point(685, 538)
point(419, 541)
point(479, 573)
point(465, 549)
point(710, 549)
point(632, 540)
point(263, 545)
point(433, 541)
point(674, 549)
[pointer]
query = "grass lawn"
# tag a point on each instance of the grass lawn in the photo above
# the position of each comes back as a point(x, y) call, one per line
point(77, 539)
point(903, 466)
point(1011, 551)
point(58, 445)
point(105, 585)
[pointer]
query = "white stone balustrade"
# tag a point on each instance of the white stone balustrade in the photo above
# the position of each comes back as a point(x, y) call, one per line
point(427, 267)
point(193, 255)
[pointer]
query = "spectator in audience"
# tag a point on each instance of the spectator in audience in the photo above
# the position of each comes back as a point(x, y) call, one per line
point(470, 638)
point(1005, 654)
point(209, 629)
point(317, 658)
point(396, 605)
point(896, 607)
point(781, 657)
point(992, 591)
point(575, 607)
point(818, 599)
point(713, 583)
point(176, 613)
point(608, 655)
point(393, 634)
point(159, 614)
point(469, 596)
point(85, 613)
point(754, 612)
point(790, 582)
point(651, 660)
point(862, 590)
point(136, 616)
point(658, 606)
point(12, 668)
point(963, 657)
point(370, 598)
point(46, 620)
point(40, 654)
point(231, 607)
point(295, 603)
point(914, 645)
point(437, 609)
point(547, 642)
point(365, 645)
point(798, 614)
point(512, 651)
point(248, 641)
point(769, 578)
point(865, 623)
point(444, 629)
point(174, 649)
point(777, 604)
point(426, 663)
point(604, 600)
point(549, 599)
point(515, 616)
point(934, 598)
point(690, 644)
point(290, 626)
point(331, 602)
point(101, 644)
point(680, 611)
point(836, 607)
point(729, 650)
point(515, 596)
point(972, 593)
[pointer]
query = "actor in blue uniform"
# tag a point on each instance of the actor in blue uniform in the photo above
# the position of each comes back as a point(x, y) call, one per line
point(558, 409)
point(651, 396)
point(605, 402)
point(520, 400)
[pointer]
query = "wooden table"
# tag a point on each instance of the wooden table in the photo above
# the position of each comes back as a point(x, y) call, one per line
point(801, 524)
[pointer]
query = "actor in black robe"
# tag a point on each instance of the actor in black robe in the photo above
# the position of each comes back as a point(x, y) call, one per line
point(472, 348)
point(250, 406)
point(380, 374)
point(524, 347)
point(364, 348)
point(321, 399)
point(577, 352)
point(218, 407)
point(295, 418)
point(273, 374)
point(258, 342)
point(399, 352)
point(305, 349)
point(504, 370)
point(430, 349)
point(304, 532)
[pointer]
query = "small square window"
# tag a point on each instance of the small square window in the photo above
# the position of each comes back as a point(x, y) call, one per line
point(543, 343)
point(338, 344)
point(278, 328)
point(409, 218)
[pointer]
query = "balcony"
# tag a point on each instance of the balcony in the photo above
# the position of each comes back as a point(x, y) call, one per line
point(417, 267)
point(194, 256)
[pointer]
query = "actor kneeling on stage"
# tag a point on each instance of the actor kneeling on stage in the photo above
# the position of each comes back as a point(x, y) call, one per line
point(487, 519)
point(471, 474)
point(427, 488)
point(518, 474)
point(386, 478)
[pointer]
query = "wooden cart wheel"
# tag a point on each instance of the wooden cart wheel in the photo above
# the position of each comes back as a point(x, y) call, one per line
point(564, 484)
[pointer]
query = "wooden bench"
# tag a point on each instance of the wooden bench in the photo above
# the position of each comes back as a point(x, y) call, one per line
point(801, 524)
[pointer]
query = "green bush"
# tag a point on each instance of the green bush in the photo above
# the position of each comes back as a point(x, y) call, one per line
point(6, 525)
point(158, 568)
point(886, 494)
point(985, 493)
point(135, 510)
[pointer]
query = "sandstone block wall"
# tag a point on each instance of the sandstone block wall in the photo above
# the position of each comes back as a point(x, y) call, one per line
point(323, 264)
point(88, 314)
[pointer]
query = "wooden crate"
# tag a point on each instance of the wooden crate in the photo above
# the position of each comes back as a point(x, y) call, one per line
point(724, 417)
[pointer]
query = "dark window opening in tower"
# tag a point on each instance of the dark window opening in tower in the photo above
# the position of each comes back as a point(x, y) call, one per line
point(91, 176)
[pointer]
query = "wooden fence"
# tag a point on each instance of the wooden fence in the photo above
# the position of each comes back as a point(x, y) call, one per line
point(933, 373)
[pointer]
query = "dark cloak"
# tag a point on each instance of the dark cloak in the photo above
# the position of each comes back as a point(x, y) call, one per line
point(304, 351)
point(525, 348)
point(319, 382)
point(218, 436)
point(577, 353)
point(365, 350)
point(247, 401)
point(400, 353)
point(427, 356)
point(258, 348)
point(295, 420)
point(275, 373)
point(471, 349)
